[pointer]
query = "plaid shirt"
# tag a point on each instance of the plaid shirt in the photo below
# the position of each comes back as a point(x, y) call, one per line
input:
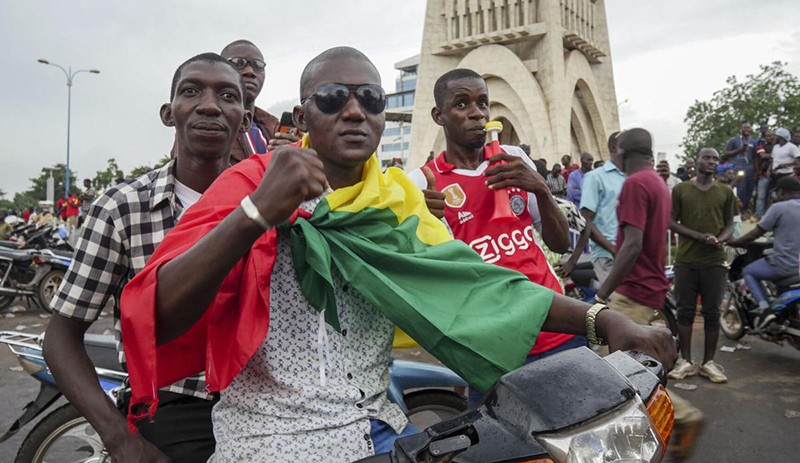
point(555, 184)
point(121, 232)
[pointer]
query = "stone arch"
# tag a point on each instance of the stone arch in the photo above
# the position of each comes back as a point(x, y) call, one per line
point(581, 83)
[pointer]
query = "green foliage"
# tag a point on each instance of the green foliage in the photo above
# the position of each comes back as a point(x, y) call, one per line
point(38, 191)
point(137, 171)
point(5, 204)
point(105, 178)
point(772, 96)
point(26, 199)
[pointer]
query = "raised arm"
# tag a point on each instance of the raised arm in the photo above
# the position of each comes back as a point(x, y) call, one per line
point(183, 294)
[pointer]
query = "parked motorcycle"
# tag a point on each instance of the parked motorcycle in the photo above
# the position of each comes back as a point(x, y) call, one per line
point(30, 237)
point(739, 313)
point(548, 411)
point(423, 391)
point(32, 274)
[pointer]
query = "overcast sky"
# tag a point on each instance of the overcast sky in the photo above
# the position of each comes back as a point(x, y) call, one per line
point(666, 55)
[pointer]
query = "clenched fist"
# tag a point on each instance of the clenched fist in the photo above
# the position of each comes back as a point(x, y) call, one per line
point(294, 175)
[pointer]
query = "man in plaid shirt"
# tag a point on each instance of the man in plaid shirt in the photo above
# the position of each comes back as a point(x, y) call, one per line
point(121, 232)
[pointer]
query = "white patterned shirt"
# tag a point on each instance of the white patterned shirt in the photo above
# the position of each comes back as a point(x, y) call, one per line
point(305, 396)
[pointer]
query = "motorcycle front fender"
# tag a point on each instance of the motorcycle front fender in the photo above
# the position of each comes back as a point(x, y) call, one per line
point(48, 394)
point(41, 271)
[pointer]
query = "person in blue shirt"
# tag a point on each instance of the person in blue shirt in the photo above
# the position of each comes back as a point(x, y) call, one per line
point(783, 219)
point(576, 178)
point(740, 151)
point(598, 205)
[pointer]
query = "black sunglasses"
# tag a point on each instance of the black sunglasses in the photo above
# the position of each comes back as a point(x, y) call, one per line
point(331, 98)
point(241, 63)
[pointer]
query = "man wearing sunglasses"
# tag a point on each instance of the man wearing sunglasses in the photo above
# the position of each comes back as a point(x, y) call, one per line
point(304, 391)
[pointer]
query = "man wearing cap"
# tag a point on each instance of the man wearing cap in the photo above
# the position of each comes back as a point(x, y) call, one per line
point(785, 154)
point(783, 219)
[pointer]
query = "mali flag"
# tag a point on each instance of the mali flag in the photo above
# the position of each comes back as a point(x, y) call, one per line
point(478, 319)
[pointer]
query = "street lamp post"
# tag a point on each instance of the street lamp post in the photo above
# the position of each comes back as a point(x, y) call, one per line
point(70, 76)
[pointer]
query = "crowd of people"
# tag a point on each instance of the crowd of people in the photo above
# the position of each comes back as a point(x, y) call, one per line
point(700, 204)
point(298, 385)
point(68, 211)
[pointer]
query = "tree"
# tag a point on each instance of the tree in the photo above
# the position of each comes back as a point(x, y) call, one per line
point(138, 171)
point(107, 177)
point(5, 204)
point(772, 96)
point(38, 191)
point(26, 199)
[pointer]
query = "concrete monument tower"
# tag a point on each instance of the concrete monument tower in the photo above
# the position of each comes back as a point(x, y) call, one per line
point(547, 64)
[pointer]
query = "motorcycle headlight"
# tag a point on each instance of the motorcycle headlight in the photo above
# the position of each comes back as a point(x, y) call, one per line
point(624, 435)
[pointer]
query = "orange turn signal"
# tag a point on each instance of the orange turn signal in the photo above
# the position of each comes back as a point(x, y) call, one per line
point(659, 407)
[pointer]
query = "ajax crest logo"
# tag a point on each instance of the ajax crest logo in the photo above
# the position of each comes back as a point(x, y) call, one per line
point(454, 196)
point(517, 204)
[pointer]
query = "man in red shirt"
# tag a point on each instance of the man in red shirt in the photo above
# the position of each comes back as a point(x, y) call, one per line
point(466, 175)
point(637, 284)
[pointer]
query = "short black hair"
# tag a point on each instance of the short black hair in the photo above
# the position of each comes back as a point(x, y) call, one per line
point(541, 168)
point(208, 57)
point(440, 88)
point(239, 42)
point(636, 142)
point(329, 55)
point(612, 140)
point(788, 184)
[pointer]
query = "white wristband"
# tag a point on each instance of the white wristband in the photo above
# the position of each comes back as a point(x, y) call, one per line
point(251, 211)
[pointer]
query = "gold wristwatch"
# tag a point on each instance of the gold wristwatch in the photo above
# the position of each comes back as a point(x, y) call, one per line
point(591, 327)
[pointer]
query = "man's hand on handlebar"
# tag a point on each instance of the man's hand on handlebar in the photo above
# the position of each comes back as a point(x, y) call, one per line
point(623, 334)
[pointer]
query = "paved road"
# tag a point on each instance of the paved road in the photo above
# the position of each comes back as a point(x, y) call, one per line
point(745, 418)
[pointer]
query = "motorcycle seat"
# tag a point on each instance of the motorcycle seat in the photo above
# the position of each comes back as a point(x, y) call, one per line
point(9, 244)
point(62, 253)
point(21, 256)
point(584, 266)
point(790, 281)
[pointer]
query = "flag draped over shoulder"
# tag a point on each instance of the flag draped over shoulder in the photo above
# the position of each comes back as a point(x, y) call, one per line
point(478, 319)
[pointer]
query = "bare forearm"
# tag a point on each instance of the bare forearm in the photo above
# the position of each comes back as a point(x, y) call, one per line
point(555, 229)
point(568, 315)
point(67, 359)
point(750, 236)
point(726, 232)
point(602, 241)
point(188, 284)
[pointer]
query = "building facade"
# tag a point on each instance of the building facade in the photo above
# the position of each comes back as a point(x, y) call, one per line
point(547, 65)
point(396, 138)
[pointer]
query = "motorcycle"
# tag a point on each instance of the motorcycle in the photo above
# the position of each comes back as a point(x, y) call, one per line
point(739, 313)
point(50, 236)
point(32, 274)
point(547, 411)
point(423, 391)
